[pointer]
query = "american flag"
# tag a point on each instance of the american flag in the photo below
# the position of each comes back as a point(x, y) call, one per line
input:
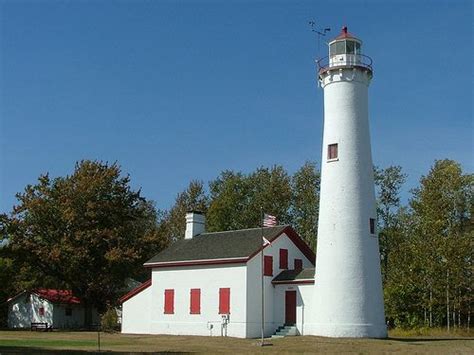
point(269, 220)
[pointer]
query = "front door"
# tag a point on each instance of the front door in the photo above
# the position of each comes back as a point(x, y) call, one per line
point(290, 307)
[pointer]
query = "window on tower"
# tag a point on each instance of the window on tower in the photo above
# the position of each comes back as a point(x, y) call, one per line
point(332, 151)
point(372, 225)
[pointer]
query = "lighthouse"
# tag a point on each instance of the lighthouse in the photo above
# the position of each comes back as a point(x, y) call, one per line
point(348, 297)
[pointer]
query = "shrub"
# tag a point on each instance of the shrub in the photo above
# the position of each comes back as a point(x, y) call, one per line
point(109, 320)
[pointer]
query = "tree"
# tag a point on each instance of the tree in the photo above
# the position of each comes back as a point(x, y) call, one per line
point(194, 198)
point(388, 183)
point(442, 206)
point(237, 200)
point(88, 231)
point(305, 185)
point(6, 271)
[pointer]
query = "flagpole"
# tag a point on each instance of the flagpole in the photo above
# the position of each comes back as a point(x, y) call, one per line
point(262, 279)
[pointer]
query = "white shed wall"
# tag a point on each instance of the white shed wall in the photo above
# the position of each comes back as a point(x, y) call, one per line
point(73, 321)
point(24, 310)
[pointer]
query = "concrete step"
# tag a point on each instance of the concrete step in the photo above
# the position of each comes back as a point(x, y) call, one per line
point(286, 331)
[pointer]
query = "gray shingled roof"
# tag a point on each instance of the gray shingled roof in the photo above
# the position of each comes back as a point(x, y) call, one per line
point(293, 275)
point(220, 245)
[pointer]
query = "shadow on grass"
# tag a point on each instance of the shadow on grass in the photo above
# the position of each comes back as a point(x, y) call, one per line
point(7, 350)
point(427, 339)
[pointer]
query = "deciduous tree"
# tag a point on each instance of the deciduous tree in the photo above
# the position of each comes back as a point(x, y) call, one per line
point(88, 231)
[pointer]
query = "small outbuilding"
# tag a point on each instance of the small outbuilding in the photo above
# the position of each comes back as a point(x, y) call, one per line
point(53, 308)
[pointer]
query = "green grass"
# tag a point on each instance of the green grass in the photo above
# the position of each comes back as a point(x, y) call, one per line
point(18, 341)
point(431, 332)
point(48, 343)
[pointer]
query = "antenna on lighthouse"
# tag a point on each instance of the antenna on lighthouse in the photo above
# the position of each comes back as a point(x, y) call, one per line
point(321, 32)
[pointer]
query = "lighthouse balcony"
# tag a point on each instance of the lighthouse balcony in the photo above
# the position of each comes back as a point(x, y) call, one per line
point(340, 61)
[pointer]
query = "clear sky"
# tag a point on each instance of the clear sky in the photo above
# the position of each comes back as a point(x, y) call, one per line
point(181, 90)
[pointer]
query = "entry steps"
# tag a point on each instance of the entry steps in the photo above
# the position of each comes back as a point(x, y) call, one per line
point(285, 331)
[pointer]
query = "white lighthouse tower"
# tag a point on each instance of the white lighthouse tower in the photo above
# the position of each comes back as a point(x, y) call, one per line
point(348, 298)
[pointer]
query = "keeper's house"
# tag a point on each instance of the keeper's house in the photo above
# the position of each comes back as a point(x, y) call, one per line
point(210, 284)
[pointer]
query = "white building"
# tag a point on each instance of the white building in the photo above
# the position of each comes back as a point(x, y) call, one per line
point(56, 308)
point(348, 297)
point(210, 284)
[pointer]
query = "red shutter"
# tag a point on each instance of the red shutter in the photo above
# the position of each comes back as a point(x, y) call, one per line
point(41, 311)
point(283, 258)
point(195, 301)
point(298, 264)
point(169, 301)
point(224, 300)
point(268, 265)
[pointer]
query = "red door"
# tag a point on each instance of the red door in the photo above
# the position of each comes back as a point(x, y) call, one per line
point(290, 307)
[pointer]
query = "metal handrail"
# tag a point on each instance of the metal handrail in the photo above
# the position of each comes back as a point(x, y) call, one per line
point(364, 61)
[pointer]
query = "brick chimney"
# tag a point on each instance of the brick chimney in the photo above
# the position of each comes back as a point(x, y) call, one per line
point(195, 224)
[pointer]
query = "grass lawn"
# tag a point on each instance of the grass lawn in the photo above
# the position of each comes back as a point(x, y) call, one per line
point(59, 342)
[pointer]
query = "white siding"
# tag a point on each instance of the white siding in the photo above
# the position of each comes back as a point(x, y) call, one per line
point(73, 321)
point(25, 309)
point(144, 312)
point(304, 295)
point(209, 279)
point(254, 315)
point(136, 313)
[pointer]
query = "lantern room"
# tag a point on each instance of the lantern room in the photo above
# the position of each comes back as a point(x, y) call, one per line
point(345, 51)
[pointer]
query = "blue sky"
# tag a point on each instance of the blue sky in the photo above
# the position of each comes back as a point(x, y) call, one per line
point(181, 90)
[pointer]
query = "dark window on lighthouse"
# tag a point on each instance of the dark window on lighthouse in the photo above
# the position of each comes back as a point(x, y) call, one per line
point(372, 225)
point(332, 151)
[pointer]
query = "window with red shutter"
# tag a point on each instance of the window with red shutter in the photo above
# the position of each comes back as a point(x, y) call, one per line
point(283, 258)
point(332, 151)
point(268, 265)
point(195, 301)
point(169, 302)
point(41, 311)
point(298, 264)
point(224, 300)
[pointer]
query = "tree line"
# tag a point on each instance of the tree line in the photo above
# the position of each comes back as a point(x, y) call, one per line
point(90, 232)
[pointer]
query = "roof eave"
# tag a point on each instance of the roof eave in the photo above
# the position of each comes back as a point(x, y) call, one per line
point(293, 282)
point(238, 260)
point(135, 291)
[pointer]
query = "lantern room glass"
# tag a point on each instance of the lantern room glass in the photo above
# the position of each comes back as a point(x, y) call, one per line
point(344, 47)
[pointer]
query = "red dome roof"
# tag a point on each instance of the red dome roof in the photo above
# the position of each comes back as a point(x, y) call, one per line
point(344, 34)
